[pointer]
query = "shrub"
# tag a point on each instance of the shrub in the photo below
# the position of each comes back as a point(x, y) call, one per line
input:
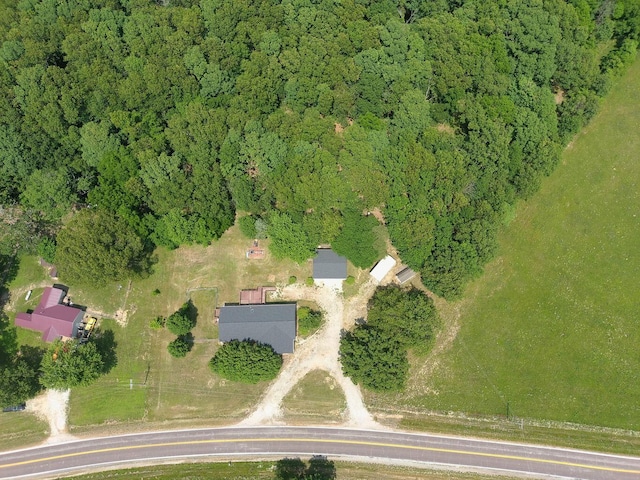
point(47, 249)
point(246, 361)
point(156, 292)
point(157, 323)
point(308, 321)
point(181, 322)
point(309, 282)
point(247, 226)
point(292, 279)
point(180, 346)
point(350, 280)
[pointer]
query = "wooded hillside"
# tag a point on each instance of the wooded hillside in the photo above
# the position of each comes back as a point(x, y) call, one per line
point(173, 115)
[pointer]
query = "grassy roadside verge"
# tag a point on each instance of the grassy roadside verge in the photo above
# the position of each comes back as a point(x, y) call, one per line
point(266, 469)
point(580, 437)
point(21, 429)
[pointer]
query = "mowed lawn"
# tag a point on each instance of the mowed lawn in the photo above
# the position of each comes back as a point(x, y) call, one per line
point(553, 326)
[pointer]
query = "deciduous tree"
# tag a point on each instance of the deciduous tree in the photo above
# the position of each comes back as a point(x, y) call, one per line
point(97, 247)
point(71, 364)
point(182, 321)
point(371, 357)
point(179, 347)
point(246, 361)
point(408, 316)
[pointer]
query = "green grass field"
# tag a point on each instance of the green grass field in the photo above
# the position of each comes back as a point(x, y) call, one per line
point(551, 330)
point(20, 429)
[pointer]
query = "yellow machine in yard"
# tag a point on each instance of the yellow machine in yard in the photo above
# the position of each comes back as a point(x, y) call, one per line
point(86, 327)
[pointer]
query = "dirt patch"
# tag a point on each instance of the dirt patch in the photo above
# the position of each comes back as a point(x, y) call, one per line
point(338, 128)
point(120, 316)
point(445, 128)
point(377, 213)
point(52, 407)
point(559, 96)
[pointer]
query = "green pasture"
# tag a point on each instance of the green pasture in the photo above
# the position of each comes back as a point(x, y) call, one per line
point(552, 329)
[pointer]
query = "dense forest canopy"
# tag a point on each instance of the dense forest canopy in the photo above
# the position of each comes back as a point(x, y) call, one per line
point(174, 115)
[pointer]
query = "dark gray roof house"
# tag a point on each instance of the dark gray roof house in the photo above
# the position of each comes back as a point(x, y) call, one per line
point(270, 323)
point(328, 265)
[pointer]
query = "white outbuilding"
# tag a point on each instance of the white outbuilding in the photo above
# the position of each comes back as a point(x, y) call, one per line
point(383, 267)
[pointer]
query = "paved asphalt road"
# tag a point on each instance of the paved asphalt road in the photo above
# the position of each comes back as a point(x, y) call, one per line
point(55, 460)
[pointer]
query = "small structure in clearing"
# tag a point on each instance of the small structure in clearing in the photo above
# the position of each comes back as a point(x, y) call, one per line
point(254, 252)
point(52, 317)
point(270, 323)
point(404, 275)
point(329, 268)
point(383, 267)
point(255, 297)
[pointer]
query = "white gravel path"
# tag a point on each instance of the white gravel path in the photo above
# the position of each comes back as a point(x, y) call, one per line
point(318, 352)
point(52, 406)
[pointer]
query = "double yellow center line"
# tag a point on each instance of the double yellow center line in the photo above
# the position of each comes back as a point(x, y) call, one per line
point(308, 440)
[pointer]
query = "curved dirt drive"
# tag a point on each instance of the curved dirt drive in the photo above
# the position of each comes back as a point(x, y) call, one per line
point(318, 352)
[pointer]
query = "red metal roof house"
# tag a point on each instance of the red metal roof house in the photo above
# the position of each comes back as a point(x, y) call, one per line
point(51, 317)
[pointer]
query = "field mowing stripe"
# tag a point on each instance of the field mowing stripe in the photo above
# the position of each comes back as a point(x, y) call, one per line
point(307, 440)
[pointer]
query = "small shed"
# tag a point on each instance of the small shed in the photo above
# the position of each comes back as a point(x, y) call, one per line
point(405, 275)
point(329, 268)
point(383, 267)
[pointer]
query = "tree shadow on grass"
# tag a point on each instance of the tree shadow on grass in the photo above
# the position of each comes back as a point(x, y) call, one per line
point(106, 344)
point(8, 339)
point(290, 469)
point(191, 311)
point(320, 468)
point(32, 356)
point(9, 266)
point(188, 337)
